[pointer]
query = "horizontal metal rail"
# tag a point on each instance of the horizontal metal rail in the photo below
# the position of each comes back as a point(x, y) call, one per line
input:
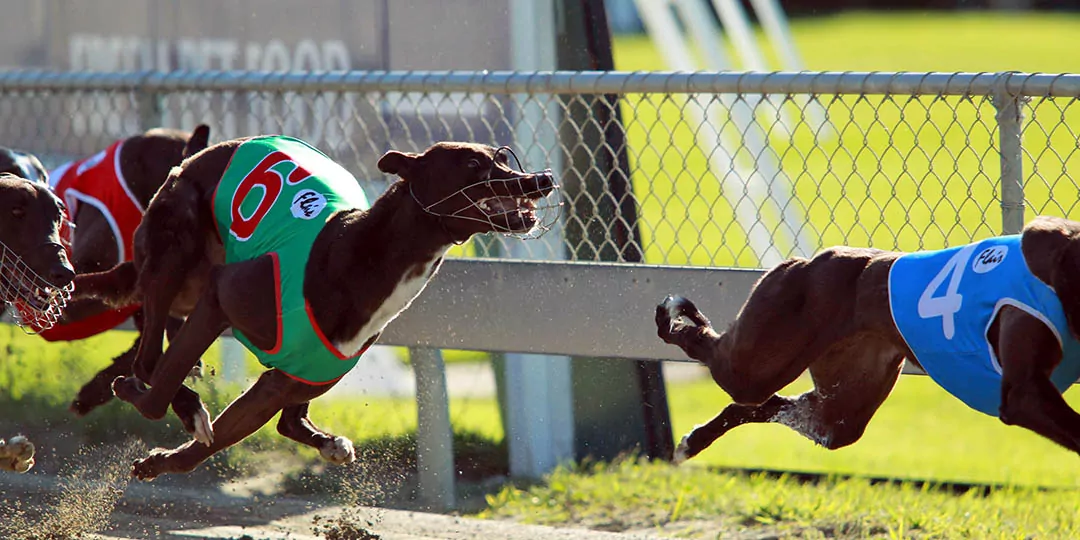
point(558, 82)
point(522, 306)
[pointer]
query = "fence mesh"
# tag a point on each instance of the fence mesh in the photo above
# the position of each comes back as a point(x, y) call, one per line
point(672, 176)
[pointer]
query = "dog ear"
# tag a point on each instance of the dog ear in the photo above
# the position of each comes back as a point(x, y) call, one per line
point(199, 140)
point(1067, 283)
point(36, 164)
point(394, 162)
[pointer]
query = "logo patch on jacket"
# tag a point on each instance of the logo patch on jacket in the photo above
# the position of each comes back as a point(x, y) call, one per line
point(307, 204)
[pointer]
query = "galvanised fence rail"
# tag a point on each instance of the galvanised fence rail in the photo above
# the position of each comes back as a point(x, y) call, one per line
point(702, 169)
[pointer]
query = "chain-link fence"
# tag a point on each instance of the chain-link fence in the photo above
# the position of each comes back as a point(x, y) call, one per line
point(720, 169)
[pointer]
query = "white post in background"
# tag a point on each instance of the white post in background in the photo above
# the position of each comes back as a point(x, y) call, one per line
point(758, 191)
point(540, 417)
point(736, 179)
point(232, 360)
point(434, 438)
point(772, 19)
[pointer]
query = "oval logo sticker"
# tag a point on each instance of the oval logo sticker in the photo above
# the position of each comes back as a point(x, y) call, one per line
point(307, 204)
point(989, 259)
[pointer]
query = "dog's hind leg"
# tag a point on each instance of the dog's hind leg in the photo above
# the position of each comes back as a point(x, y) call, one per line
point(1029, 352)
point(254, 408)
point(851, 380)
point(98, 391)
point(295, 424)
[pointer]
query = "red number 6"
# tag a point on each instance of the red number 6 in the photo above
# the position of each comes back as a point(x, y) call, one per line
point(262, 176)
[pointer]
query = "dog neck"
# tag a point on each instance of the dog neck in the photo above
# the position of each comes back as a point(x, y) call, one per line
point(367, 266)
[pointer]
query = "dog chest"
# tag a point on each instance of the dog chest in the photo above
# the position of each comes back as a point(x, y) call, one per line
point(410, 285)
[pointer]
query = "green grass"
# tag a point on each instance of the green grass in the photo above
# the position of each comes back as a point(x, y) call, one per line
point(896, 173)
point(32, 392)
point(920, 433)
point(690, 502)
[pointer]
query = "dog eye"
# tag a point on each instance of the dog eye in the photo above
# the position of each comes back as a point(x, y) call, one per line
point(474, 163)
point(18, 212)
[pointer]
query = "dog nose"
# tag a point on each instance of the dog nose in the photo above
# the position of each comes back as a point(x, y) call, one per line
point(61, 274)
point(545, 181)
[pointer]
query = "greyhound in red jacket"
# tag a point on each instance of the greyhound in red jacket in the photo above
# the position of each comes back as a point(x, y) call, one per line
point(34, 272)
point(105, 197)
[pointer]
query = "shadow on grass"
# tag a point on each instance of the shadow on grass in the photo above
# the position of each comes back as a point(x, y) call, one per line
point(811, 478)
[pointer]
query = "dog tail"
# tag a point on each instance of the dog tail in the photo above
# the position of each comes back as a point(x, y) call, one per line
point(115, 287)
point(1067, 282)
point(199, 140)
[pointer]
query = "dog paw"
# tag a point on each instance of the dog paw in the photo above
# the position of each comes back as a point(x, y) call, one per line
point(338, 451)
point(156, 463)
point(17, 454)
point(128, 389)
point(91, 397)
point(682, 452)
point(676, 314)
point(144, 469)
point(203, 428)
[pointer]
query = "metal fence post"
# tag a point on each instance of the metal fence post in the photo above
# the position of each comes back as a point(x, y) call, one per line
point(148, 106)
point(434, 438)
point(1010, 119)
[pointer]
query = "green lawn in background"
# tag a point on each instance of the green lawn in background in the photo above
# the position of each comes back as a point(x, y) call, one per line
point(892, 172)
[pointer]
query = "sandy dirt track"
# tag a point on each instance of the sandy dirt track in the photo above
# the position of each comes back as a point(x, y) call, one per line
point(159, 511)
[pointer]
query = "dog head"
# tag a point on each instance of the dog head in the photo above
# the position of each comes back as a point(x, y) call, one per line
point(22, 165)
point(472, 189)
point(35, 273)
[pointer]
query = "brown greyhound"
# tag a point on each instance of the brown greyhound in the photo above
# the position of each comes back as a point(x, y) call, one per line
point(229, 241)
point(996, 327)
point(106, 194)
point(34, 272)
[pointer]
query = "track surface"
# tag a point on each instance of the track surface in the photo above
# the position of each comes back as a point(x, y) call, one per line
point(154, 511)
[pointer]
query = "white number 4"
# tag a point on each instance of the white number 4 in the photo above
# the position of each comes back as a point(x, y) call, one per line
point(946, 306)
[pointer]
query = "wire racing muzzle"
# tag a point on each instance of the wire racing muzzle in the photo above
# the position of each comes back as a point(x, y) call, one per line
point(525, 205)
point(37, 304)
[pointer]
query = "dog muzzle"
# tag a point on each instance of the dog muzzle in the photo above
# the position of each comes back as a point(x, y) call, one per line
point(523, 206)
point(37, 304)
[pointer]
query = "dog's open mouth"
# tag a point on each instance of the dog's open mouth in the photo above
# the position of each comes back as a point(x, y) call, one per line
point(522, 208)
point(37, 309)
point(522, 205)
point(38, 304)
point(37, 298)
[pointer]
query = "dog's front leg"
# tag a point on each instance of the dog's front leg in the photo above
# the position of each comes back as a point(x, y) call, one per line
point(295, 424)
point(205, 323)
point(1029, 352)
point(253, 409)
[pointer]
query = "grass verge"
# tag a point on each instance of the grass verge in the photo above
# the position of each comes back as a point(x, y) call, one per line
point(695, 502)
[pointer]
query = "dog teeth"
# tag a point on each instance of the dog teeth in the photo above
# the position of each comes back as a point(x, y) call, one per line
point(483, 204)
